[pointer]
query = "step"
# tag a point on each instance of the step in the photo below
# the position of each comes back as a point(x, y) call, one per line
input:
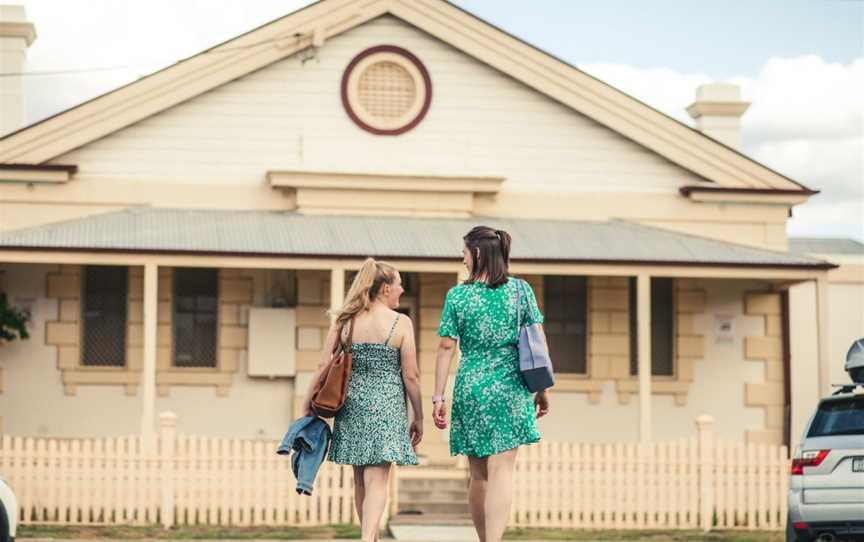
point(435, 507)
point(421, 495)
point(432, 519)
point(429, 484)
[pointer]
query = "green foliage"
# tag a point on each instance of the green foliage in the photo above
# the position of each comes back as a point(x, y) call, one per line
point(13, 321)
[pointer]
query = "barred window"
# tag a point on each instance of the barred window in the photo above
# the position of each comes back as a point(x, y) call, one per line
point(196, 293)
point(662, 327)
point(103, 316)
point(565, 307)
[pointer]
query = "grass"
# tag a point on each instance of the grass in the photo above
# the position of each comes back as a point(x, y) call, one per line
point(198, 532)
point(201, 532)
point(655, 536)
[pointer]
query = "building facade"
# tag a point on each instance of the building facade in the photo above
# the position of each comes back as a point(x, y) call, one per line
point(179, 241)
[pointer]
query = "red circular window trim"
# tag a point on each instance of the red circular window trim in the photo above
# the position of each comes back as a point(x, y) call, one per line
point(414, 60)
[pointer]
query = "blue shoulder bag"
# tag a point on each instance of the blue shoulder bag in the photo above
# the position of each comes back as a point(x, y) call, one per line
point(534, 362)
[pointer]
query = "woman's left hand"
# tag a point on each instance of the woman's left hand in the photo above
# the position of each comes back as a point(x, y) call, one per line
point(541, 404)
point(416, 432)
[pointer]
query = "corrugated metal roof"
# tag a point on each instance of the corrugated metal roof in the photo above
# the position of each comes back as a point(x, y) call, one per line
point(290, 233)
point(825, 245)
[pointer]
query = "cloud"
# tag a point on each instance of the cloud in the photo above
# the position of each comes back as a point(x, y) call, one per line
point(145, 36)
point(806, 121)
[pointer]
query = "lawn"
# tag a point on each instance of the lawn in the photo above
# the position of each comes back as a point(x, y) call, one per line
point(122, 532)
point(657, 536)
point(198, 532)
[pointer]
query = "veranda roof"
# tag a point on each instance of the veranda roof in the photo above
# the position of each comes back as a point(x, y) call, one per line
point(255, 232)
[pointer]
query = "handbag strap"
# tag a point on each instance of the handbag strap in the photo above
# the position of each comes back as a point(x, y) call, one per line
point(518, 305)
point(345, 340)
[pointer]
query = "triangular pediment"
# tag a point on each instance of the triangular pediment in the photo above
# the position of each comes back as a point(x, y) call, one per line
point(314, 25)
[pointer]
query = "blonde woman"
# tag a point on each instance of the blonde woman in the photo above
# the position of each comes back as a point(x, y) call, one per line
point(493, 411)
point(371, 431)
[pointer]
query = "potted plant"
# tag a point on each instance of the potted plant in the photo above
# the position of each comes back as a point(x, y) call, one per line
point(13, 321)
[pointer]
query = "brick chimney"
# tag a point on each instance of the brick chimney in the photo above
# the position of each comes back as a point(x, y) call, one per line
point(16, 35)
point(717, 112)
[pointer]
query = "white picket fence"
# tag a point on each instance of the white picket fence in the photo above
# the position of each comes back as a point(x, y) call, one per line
point(188, 480)
point(694, 483)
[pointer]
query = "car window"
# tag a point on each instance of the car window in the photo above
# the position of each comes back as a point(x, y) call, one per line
point(839, 417)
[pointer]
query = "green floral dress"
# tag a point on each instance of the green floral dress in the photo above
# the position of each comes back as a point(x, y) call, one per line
point(493, 411)
point(372, 426)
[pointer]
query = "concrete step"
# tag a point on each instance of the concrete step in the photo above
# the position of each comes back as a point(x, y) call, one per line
point(432, 484)
point(451, 508)
point(432, 519)
point(422, 495)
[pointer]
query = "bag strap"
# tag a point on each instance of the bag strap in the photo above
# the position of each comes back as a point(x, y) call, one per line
point(345, 339)
point(518, 305)
point(392, 329)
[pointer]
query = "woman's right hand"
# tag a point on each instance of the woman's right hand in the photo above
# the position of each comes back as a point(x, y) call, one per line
point(439, 415)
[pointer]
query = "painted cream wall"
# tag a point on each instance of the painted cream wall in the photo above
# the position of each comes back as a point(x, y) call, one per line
point(289, 116)
point(718, 387)
point(33, 401)
point(846, 324)
point(803, 344)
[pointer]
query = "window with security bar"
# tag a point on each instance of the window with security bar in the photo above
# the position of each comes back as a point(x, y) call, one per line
point(103, 315)
point(565, 314)
point(662, 327)
point(196, 306)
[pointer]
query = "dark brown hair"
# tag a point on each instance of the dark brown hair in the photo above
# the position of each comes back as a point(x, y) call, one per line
point(494, 255)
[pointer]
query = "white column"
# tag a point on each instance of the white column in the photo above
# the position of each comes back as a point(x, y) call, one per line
point(643, 333)
point(337, 291)
point(823, 336)
point(148, 376)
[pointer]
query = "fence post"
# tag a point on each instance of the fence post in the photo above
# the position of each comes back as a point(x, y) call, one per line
point(705, 429)
point(167, 444)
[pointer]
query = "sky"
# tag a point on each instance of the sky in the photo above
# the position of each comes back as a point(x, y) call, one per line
point(801, 63)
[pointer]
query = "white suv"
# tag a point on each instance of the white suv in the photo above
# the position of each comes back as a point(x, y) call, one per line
point(826, 485)
point(8, 513)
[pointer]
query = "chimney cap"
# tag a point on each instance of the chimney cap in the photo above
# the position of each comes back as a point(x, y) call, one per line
point(14, 23)
point(718, 100)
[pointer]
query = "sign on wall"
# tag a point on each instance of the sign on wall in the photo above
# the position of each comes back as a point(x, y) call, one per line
point(724, 328)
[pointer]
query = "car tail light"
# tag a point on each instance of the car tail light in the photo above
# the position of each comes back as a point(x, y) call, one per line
point(810, 458)
point(799, 525)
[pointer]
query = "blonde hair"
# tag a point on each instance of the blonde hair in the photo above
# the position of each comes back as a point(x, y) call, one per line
point(365, 288)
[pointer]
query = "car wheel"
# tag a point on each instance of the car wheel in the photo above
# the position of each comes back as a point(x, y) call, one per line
point(790, 532)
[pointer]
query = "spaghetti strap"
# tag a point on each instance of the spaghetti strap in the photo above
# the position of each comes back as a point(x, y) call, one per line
point(392, 328)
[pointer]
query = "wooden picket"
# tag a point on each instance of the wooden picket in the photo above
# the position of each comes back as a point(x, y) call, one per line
point(194, 480)
point(658, 485)
point(212, 481)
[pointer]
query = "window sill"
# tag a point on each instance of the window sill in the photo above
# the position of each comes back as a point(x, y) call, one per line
point(659, 386)
point(581, 383)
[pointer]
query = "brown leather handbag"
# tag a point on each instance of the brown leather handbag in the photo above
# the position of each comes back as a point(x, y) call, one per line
point(332, 386)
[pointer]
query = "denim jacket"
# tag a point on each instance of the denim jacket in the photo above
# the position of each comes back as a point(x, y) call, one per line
point(309, 437)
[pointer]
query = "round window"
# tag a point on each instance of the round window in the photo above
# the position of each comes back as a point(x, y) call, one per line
point(386, 90)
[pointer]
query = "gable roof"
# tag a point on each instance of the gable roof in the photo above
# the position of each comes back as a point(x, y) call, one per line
point(287, 233)
point(314, 24)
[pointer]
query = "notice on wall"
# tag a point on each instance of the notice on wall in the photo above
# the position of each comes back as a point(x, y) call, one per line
point(724, 328)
